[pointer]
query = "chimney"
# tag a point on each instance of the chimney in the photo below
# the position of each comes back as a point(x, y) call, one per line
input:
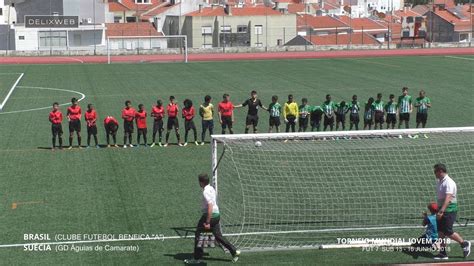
point(200, 8)
point(228, 10)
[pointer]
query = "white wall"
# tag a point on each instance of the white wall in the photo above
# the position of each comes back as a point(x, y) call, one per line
point(31, 38)
point(2, 17)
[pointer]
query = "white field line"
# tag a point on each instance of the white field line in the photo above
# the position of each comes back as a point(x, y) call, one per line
point(11, 91)
point(162, 238)
point(83, 96)
point(458, 57)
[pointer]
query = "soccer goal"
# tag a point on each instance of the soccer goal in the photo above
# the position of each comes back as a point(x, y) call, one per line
point(337, 189)
point(147, 49)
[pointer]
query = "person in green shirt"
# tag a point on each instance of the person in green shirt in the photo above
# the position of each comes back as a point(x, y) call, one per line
point(315, 117)
point(405, 107)
point(354, 109)
point(369, 114)
point(379, 111)
point(328, 108)
point(341, 110)
point(275, 112)
point(391, 109)
point(304, 110)
point(422, 103)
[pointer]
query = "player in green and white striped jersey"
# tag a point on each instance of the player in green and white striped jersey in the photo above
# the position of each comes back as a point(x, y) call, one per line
point(305, 110)
point(422, 103)
point(391, 109)
point(275, 112)
point(379, 111)
point(354, 109)
point(328, 108)
point(369, 114)
point(405, 107)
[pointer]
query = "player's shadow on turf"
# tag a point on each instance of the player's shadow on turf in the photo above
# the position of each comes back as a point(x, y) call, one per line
point(183, 256)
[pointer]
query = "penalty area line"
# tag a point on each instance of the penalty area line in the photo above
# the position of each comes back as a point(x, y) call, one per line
point(11, 91)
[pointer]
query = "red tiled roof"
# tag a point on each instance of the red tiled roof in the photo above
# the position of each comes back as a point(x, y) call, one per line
point(406, 13)
point(117, 7)
point(131, 29)
point(363, 23)
point(342, 39)
point(141, 7)
point(300, 8)
point(320, 22)
point(446, 3)
point(158, 10)
point(235, 11)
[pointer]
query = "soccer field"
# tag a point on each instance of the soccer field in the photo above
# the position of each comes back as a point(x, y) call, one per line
point(154, 190)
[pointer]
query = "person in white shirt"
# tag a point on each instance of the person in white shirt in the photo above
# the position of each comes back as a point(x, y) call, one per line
point(210, 221)
point(448, 206)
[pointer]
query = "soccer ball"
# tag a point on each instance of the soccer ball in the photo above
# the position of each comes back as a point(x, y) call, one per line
point(258, 144)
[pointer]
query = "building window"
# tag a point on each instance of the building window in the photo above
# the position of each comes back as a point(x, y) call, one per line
point(131, 19)
point(1, 12)
point(52, 39)
point(206, 30)
point(22, 37)
point(117, 19)
point(259, 44)
point(206, 45)
point(279, 42)
point(258, 29)
point(142, 1)
point(242, 29)
point(226, 29)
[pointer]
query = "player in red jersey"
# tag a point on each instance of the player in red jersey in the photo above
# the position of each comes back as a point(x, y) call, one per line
point(172, 110)
point(56, 118)
point(74, 114)
point(226, 114)
point(188, 114)
point(158, 113)
point(111, 127)
point(128, 115)
point(140, 118)
point(91, 121)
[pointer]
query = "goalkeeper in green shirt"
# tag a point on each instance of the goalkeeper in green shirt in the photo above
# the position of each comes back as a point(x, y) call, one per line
point(304, 111)
point(422, 103)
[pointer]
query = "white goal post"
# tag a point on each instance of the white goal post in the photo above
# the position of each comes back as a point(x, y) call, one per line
point(337, 189)
point(147, 46)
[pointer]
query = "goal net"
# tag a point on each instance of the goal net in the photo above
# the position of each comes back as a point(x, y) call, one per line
point(338, 189)
point(148, 49)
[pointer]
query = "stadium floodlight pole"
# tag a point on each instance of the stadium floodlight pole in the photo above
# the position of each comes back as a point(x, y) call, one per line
point(470, 19)
point(93, 10)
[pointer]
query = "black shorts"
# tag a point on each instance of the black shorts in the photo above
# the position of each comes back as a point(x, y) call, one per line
point(379, 117)
point(111, 128)
point(189, 124)
point(368, 121)
point(421, 117)
point(142, 131)
point(315, 123)
point(445, 224)
point(157, 125)
point(303, 122)
point(128, 127)
point(251, 120)
point(75, 125)
point(226, 122)
point(274, 121)
point(354, 118)
point(208, 124)
point(92, 130)
point(172, 122)
point(391, 118)
point(328, 121)
point(340, 118)
point(56, 129)
point(404, 116)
